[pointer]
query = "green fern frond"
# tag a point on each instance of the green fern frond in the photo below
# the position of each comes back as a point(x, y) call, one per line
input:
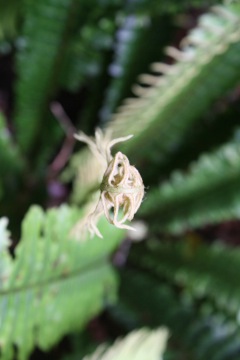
point(206, 67)
point(127, 39)
point(220, 122)
point(55, 284)
point(197, 332)
point(38, 63)
point(138, 36)
point(139, 345)
point(203, 272)
point(209, 193)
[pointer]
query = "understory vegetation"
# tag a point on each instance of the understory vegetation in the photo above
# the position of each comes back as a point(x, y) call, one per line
point(167, 72)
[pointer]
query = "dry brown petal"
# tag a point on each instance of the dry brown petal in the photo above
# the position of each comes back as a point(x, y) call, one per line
point(122, 188)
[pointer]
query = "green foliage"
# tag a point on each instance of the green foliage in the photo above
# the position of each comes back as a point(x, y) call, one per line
point(137, 36)
point(154, 6)
point(204, 271)
point(162, 116)
point(9, 18)
point(53, 279)
point(10, 159)
point(5, 258)
point(208, 193)
point(197, 332)
point(38, 63)
point(136, 346)
point(84, 56)
point(207, 66)
point(12, 163)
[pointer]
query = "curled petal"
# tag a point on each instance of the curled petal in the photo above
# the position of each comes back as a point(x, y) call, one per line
point(122, 187)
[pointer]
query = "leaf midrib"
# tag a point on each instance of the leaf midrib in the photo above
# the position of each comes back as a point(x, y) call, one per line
point(91, 267)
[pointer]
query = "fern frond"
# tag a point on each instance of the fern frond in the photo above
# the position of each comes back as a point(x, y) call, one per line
point(204, 272)
point(197, 332)
point(55, 284)
point(206, 67)
point(209, 193)
point(38, 63)
point(125, 49)
point(162, 115)
point(137, 37)
point(139, 345)
point(199, 140)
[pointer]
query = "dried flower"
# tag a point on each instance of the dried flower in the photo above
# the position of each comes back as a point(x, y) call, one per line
point(121, 188)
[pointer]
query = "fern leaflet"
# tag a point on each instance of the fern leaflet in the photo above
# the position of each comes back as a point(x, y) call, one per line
point(208, 193)
point(197, 330)
point(139, 345)
point(55, 284)
point(171, 103)
point(161, 116)
point(204, 272)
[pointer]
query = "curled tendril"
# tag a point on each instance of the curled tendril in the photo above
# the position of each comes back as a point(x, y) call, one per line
point(122, 188)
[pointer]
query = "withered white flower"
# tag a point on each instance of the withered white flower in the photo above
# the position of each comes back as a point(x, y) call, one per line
point(122, 188)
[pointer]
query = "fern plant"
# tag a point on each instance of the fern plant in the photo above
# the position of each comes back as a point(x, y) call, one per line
point(207, 194)
point(103, 64)
point(52, 280)
point(198, 330)
point(162, 114)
